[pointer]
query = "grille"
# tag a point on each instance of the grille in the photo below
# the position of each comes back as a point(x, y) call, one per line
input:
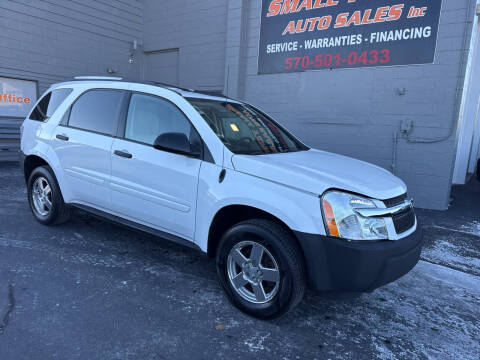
point(395, 201)
point(404, 220)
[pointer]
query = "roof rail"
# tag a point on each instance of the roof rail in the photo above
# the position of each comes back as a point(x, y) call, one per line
point(171, 86)
point(215, 93)
point(111, 78)
point(174, 88)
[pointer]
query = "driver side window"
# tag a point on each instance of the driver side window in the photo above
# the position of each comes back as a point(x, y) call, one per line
point(150, 116)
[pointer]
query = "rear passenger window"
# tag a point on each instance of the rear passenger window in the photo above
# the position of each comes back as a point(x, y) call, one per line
point(47, 106)
point(97, 110)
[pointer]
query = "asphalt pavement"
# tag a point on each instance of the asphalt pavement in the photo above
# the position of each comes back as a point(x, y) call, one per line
point(92, 290)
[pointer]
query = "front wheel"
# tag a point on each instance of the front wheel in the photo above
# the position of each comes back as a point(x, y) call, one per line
point(261, 268)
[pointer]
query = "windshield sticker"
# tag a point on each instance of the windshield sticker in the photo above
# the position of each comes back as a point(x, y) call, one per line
point(274, 133)
point(263, 138)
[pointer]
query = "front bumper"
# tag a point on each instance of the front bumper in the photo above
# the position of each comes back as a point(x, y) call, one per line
point(337, 265)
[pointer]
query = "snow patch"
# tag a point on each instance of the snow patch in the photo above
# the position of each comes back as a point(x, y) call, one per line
point(255, 343)
point(471, 228)
point(446, 253)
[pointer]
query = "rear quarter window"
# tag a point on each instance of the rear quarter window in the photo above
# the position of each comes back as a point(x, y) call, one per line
point(47, 106)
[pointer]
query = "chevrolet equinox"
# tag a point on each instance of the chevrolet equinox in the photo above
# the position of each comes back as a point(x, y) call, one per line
point(221, 176)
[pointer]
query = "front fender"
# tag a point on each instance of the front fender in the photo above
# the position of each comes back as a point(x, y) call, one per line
point(300, 211)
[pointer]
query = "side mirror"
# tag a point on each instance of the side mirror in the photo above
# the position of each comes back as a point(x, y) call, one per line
point(176, 143)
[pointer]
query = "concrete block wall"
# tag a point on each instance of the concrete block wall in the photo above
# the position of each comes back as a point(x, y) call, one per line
point(198, 28)
point(356, 112)
point(49, 41)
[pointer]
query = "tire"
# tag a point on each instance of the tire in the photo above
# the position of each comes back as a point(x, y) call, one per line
point(277, 294)
point(59, 212)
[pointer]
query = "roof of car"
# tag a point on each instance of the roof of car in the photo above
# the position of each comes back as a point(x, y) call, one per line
point(186, 93)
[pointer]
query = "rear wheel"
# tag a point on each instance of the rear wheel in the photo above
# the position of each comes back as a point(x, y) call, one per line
point(261, 268)
point(45, 198)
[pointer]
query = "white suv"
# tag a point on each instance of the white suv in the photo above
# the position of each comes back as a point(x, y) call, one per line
point(221, 176)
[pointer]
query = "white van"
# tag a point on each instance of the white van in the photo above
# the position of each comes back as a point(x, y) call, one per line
point(221, 176)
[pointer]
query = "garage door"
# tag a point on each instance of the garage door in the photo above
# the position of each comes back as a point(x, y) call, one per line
point(162, 66)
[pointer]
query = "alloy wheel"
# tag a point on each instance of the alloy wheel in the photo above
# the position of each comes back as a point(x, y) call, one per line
point(42, 196)
point(253, 272)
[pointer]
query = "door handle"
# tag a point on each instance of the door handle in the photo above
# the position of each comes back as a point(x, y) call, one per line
point(123, 154)
point(62, 137)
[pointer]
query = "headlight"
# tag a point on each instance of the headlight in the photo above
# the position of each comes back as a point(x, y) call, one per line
point(343, 221)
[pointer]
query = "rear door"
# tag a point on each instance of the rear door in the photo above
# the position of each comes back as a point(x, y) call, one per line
point(83, 143)
point(150, 186)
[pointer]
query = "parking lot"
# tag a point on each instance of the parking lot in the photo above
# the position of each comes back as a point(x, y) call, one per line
point(92, 290)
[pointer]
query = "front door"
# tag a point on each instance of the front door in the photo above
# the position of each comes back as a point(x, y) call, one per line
point(154, 187)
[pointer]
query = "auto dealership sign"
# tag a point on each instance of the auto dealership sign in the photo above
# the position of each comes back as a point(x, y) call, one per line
point(301, 35)
point(17, 97)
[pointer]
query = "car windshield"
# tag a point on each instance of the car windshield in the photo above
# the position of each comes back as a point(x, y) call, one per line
point(244, 129)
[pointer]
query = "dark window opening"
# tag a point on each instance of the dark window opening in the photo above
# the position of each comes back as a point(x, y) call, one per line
point(97, 111)
point(47, 106)
point(40, 111)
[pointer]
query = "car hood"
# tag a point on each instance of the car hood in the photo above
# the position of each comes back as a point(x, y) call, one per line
point(316, 171)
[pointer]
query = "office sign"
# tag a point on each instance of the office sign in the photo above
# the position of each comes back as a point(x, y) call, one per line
point(302, 35)
point(17, 97)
